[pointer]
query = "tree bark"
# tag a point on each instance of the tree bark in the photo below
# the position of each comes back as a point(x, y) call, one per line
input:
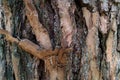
point(59, 39)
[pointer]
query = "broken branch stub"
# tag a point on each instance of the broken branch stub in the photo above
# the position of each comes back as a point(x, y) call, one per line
point(8, 37)
point(32, 48)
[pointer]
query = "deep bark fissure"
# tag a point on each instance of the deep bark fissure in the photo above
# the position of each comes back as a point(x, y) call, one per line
point(118, 40)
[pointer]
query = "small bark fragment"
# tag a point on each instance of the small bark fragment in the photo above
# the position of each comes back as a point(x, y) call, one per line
point(87, 16)
point(103, 24)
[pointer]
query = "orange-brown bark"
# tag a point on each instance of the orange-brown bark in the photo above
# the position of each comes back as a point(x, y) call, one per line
point(41, 33)
point(8, 36)
point(32, 48)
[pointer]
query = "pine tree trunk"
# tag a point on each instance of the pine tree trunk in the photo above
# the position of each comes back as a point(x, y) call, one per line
point(59, 39)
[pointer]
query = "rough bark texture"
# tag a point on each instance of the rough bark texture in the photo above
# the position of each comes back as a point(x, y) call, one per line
point(59, 39)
